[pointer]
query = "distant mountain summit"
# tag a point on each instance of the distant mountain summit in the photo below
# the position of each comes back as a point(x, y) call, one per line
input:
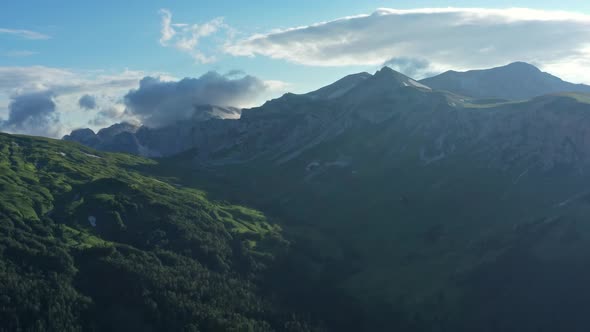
point(340, 87)
point(516, 81)
point(386, 82)
point(385, 79)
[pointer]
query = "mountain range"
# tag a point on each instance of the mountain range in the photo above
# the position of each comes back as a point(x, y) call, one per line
point(376, 203)
point(516, 81)
point(494, 88)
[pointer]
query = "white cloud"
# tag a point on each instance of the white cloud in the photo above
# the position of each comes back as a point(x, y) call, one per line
point(26, 34)
point(158, 103)
point(448, 38)
point(187, 37)
point(13, 79)
point(64, 88)
point(18, 54)
point(63, 81)
point(108, 115)
point(167, 31)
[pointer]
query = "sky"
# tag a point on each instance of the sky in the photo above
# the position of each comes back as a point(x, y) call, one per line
point(73, 64)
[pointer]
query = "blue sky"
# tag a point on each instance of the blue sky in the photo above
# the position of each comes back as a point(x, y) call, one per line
point(94, 43)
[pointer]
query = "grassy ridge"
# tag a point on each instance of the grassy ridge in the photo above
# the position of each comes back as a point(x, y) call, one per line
point(88, 242)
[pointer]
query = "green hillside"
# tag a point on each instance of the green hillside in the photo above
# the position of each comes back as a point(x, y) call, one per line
point(89, 242)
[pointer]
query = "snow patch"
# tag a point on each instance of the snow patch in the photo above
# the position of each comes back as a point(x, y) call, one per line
point(418, 85)
point(91, 155)
point(429, 160)
point(312, 165)
point(520, 176)
point(92, 221)
point(571, 199)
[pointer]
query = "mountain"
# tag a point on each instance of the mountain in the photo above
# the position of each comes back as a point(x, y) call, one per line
point(516, 81)
point(300, 116)
point(93, 241)
point(339, 87)
point(126, 137)
point(426, 210)
point(432, 213)
point(433, 210)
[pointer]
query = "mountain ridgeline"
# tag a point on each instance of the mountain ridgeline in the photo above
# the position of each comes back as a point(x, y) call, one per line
point(516, 81)
point(376, 203)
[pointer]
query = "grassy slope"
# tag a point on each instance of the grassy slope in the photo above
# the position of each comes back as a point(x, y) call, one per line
point(161, 257)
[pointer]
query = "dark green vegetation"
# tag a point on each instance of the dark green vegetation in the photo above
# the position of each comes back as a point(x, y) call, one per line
point(159, 256)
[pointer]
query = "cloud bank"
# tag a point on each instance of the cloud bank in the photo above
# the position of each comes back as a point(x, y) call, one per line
point(158, 103)
point(58, 100)
point(448, 38)
point(47, 101)
point(34, 114)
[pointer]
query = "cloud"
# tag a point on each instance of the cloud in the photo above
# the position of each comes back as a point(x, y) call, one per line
point(87, 102)
point(119, 96)
point(26, 34)
point(187, 37)
point(18, 54)
point(416, 68)
point(65, 88)
point(34, 114)
point(109, 115)
point(449, 38)
point(33, 77)
point(167, 31)
point(159, 103)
